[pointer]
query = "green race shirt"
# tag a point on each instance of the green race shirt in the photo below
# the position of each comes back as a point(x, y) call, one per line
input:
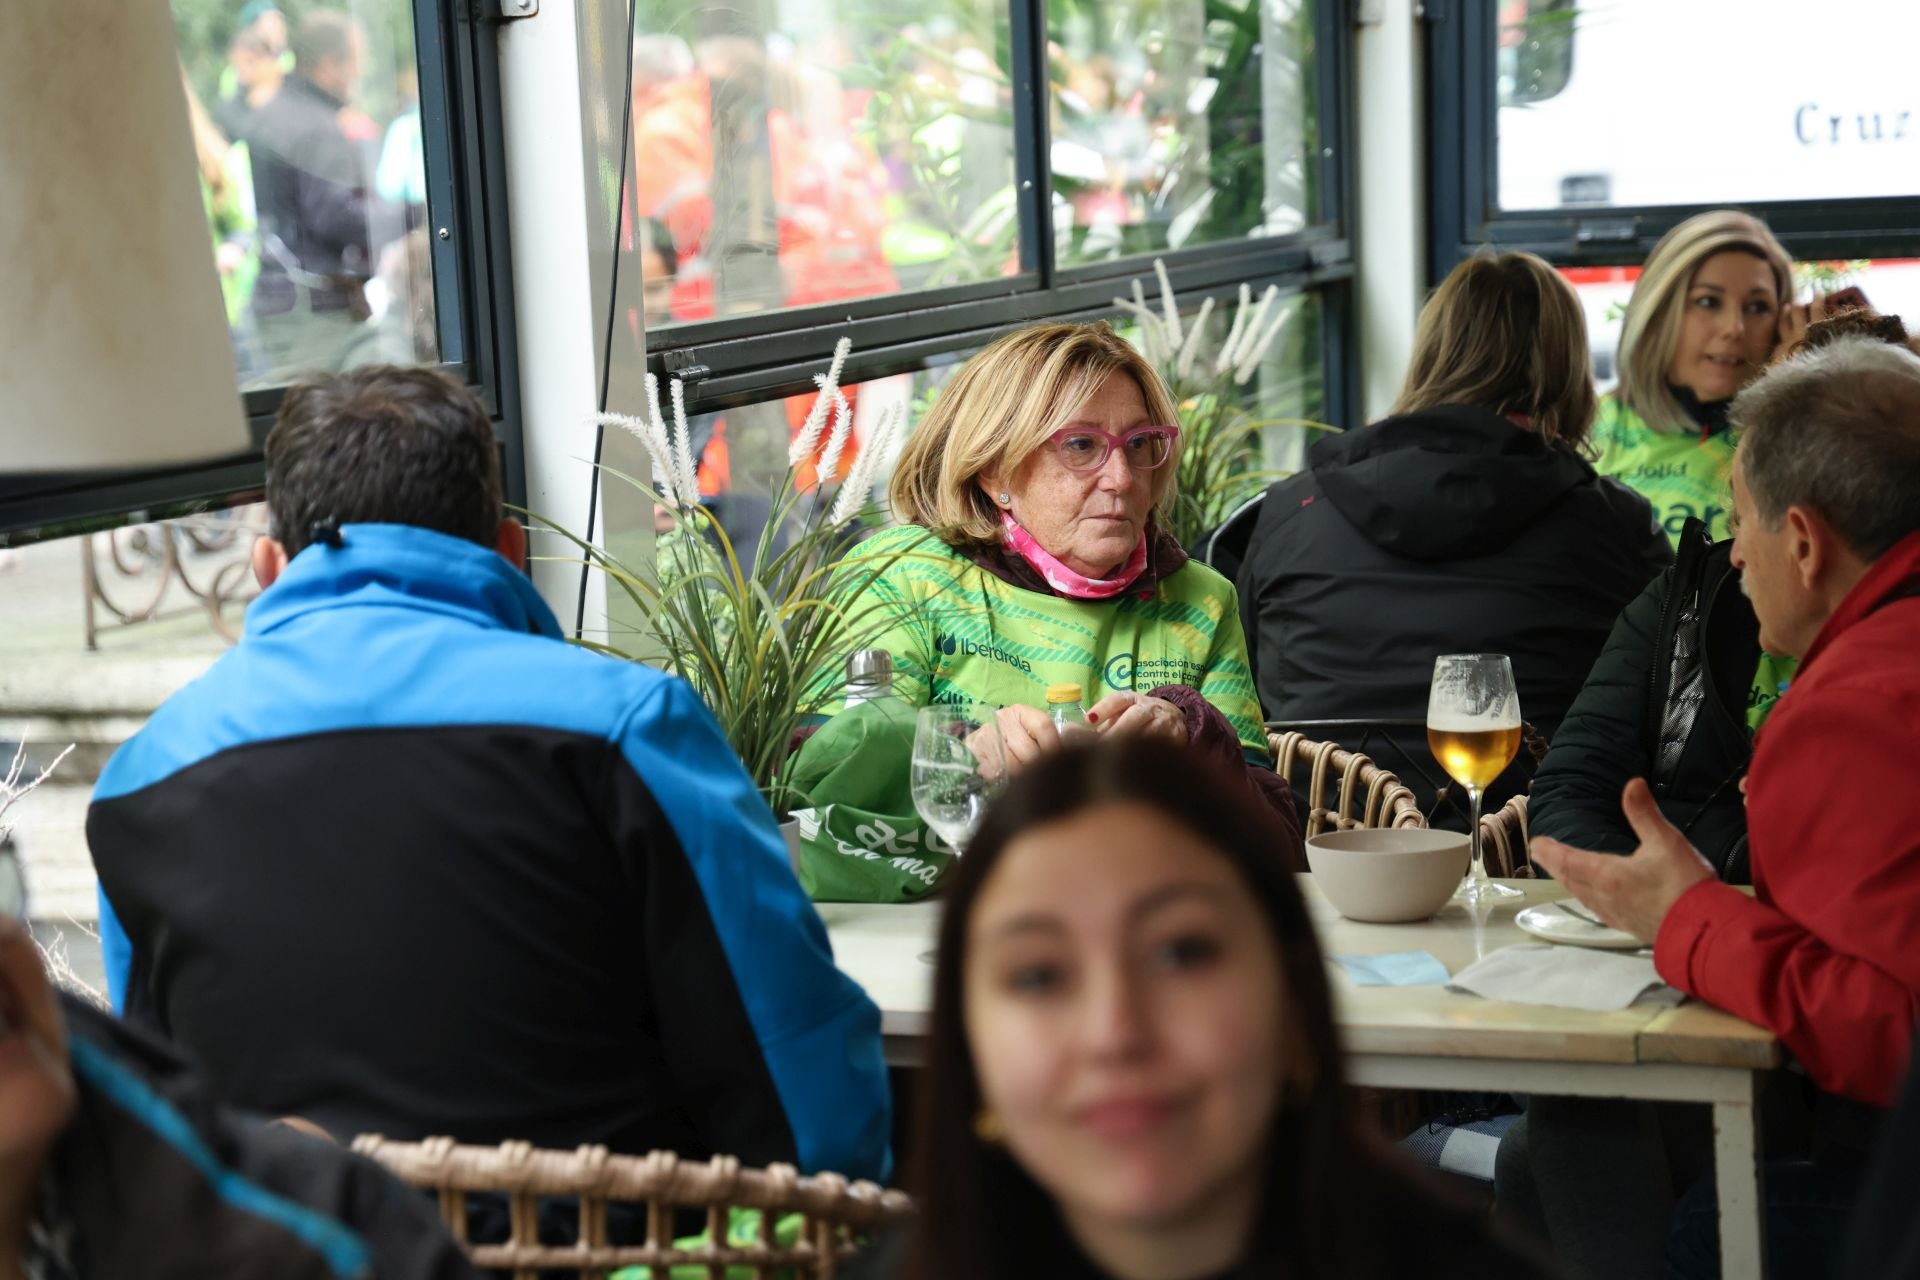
point(963, 635)
point(1682, 475)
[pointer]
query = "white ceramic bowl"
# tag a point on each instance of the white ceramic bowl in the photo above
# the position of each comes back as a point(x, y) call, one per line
point(1389, 874)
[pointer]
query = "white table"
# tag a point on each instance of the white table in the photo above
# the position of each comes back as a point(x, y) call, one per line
point(1432, 1038)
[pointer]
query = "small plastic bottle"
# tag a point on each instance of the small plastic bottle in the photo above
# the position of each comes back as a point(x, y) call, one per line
point(869, 677)
point(1064, 709)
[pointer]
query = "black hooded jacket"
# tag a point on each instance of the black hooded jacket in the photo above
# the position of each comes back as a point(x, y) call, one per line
point(1451, 530)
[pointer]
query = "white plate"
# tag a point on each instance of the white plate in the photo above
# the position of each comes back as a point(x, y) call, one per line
point(1555, 925)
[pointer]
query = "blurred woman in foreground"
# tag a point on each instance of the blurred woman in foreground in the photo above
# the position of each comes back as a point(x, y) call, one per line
point(1134, 1067)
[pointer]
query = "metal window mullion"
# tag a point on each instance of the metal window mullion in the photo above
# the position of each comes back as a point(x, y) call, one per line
point(437, 98)
point(897, 349)
point(480, 245)
point(1032, 137)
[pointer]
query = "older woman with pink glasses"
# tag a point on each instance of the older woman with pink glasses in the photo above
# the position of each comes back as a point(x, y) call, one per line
point(1033, 554)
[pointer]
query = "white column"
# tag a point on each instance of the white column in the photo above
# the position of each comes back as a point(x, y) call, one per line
point(1389, 153)
point(559, 332)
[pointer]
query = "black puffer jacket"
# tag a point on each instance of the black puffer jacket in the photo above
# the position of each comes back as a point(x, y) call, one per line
point(1446, 531)
point(151, 1178)
point(1667, 701)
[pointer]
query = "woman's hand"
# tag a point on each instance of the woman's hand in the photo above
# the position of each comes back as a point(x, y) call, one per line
point(1795, 318)
point(1026, 734)
point(1135, 713)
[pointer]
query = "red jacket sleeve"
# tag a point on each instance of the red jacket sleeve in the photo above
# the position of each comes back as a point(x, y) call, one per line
point(1824, 954)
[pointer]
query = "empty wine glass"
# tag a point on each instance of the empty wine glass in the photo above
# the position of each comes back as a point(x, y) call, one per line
point(1473, 730)
point(958, 764)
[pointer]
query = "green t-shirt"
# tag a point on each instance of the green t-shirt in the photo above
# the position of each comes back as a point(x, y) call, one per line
point(1683, 476)
point(964, 635)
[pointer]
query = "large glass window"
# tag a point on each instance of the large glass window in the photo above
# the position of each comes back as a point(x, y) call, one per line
point(816, 153)
point(1179, 123)
point(307, 132)
point(1633, 103)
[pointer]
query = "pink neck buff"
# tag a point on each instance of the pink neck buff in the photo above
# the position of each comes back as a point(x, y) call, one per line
point(1063, 579)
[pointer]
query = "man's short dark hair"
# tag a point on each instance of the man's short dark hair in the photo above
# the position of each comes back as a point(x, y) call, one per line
point(322, 34)
point(1837, 430)
point(383, 444)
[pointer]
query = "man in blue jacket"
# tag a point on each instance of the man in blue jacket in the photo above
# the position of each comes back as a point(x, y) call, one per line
point(404, 861)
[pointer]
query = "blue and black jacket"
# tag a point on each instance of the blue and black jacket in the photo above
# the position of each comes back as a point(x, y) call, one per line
point(405, 862)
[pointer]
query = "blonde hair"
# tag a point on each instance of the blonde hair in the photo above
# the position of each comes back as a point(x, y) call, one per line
point(1504, 332)
point(1659, 303)
point(1000, 408)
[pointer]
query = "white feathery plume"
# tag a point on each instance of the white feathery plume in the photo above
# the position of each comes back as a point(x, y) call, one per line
point(686, 476)
point(853, 494)
point(638, 429)
point(1254, 323)
point(816, 423)
point(1149, 324)
point(1224, 361)
point(809, 438)
point(1174, 336)
point(837, 438)
point(1151, 339)
point(1191, 347)
point(1258, 347)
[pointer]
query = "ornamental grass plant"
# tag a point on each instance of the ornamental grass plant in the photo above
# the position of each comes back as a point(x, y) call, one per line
point(1221, 464)
point(761, 639)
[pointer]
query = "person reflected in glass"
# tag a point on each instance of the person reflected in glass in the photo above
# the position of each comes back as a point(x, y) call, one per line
point(1134, 1070)
point(1033, 551)
point(1467, 521)
point(318, 210)
point(257, 65)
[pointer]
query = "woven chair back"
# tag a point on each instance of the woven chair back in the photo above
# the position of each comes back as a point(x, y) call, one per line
point(1503, 840)
point(1366, 795)
point(833, 1208)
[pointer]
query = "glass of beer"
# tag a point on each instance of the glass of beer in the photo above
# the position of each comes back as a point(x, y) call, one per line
point(1473, 730)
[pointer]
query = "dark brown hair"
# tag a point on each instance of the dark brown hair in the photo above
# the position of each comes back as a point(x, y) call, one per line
point(981, 1213)
point(1859, 322)
point(1504, 332)
point(383, 444)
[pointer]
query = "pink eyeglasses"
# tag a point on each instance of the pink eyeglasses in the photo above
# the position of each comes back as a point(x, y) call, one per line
point(1088, 448)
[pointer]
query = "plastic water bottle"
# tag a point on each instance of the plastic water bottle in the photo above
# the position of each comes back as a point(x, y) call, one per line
point(869, 676)
point(1064, 709)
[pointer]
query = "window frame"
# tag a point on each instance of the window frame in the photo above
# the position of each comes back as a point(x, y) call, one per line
point(735, 360)
point(456, 49)
point(1463, 163)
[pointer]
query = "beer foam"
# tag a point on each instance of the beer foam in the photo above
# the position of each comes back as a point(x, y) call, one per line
point(1456, 722)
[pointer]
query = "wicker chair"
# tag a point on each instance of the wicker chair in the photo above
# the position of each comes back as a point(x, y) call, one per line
point(832, 1207)
point(1503, 840)
point(1388, 801)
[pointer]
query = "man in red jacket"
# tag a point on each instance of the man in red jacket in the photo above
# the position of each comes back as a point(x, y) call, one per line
point(1826, 501)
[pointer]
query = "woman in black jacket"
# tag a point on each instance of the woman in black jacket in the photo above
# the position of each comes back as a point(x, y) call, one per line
point(1467, 521)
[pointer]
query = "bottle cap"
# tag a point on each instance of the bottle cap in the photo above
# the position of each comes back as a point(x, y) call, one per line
point(870, 665)
point(1063, 693)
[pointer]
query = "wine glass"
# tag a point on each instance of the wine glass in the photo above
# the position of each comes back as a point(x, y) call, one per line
point(1473, 730)
point(958, 764)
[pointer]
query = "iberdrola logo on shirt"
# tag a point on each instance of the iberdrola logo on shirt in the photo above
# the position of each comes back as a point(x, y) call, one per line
point(950, 645)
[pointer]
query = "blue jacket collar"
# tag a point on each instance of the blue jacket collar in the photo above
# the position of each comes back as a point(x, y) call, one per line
point(405, 566)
